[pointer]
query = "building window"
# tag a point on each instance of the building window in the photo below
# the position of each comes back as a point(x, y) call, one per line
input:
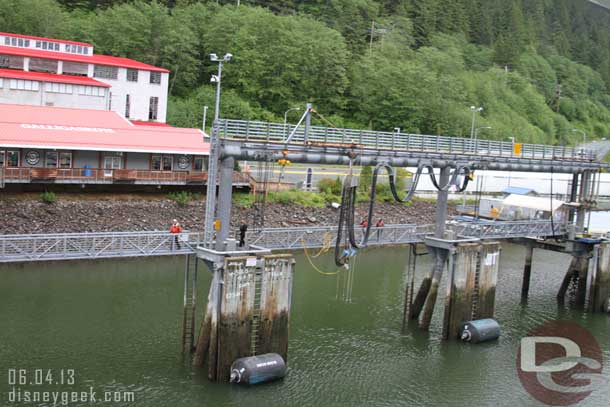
point(43, 65)
point(13, 62)
point(127, 106)
point(65, 160)
point(74, 68)
point(7, 41)
point(14, 42)
point(58, 88)
point(12, 158)
point(161, 163)
point(91, 90)
point(4, 61)
point(21, 84)
point(153, 107)
point(104, 71)
point(1, 83)
point(1, 158)
point(155, 77)
point(199, 164)
point(132, 75)
point(50, 160)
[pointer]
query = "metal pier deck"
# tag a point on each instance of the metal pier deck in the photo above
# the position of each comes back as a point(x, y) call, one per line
point(75, 246)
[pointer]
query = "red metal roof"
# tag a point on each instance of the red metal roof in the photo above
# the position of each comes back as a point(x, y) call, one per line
point(87, 59)
point(154, 124)
point(98, 130)
point(48, 77)
point(32, 37)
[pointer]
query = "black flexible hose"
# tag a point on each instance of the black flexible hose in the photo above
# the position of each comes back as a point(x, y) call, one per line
point(342, 211)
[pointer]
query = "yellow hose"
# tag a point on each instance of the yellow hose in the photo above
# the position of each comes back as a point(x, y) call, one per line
point(324, 273)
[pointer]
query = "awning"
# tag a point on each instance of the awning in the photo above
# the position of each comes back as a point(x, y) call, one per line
point(532, 202)
point(23, 126)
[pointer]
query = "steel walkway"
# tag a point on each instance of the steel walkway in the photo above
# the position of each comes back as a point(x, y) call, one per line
point(74, 246)
point(253, 140)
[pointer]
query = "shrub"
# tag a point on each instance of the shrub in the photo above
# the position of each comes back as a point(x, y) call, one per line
point(243, 200)
point(48, 197)
point(182, 198)
point(306, 199)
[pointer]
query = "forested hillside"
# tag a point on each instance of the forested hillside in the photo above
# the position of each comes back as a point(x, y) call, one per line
point(538, 67)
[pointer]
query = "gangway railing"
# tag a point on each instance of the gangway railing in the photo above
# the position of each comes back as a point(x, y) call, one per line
point(71, 246)
point(255, 131)
point(320, 236)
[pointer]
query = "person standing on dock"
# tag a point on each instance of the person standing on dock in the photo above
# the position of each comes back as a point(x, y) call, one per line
point(176, 229)
point(364, 224)
point(380, 224)
point(242, 234)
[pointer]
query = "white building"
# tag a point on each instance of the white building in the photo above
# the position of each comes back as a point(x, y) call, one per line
point(48, 72)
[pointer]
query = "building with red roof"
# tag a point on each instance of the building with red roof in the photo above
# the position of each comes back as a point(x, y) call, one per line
point(51, 72)
point(53, 145)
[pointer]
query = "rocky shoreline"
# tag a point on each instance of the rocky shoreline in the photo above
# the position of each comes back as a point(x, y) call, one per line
point(19, 214)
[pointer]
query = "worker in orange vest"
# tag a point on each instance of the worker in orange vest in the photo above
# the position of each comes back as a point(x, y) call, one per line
point(380, 224)
point(176, 229)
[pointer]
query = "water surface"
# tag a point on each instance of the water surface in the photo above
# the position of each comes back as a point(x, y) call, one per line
point(118, 324)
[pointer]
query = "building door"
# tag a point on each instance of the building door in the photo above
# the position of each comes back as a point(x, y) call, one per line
point(111, 162)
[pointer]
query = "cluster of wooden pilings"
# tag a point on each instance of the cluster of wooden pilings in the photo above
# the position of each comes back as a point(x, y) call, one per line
point(248, 312)
point(586, 284)
point(472, 277)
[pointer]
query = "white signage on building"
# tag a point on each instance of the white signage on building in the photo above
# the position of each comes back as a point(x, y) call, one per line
point(66, 128)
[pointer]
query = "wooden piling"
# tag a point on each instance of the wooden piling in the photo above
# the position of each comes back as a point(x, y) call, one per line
point(460, 288)
point(599, 290)
point(527, 272)
point(276, 297)
point(489, 265)
point(215, 311)
point(440, 258)
point(203, 340)
point(236, 311)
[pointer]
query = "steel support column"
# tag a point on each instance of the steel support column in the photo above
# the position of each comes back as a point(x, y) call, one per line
point(225, 191)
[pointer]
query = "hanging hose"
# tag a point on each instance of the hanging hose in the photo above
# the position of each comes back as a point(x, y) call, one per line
point(551, 206)
point(345, 194)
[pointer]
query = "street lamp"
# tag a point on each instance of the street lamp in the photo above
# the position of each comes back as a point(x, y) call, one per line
point(474, 111)
point(292, 109)
point(218, 78)
point(584, 135)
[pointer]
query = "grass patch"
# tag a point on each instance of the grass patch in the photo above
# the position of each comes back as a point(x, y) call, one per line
point(296, 197)
point(243, 200)
point(48, 197)
point(182, 198)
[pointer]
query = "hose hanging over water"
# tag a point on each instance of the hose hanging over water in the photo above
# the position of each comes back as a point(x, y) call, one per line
point(348, 203)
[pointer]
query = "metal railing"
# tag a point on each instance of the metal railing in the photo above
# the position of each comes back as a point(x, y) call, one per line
point(71, 246)
point(320, 236)
point(508, 229)
point(278, 133)
point(109, 176)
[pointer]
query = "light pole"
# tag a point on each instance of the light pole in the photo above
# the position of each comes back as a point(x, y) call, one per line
point(476, 131)
point(205, 117)
point(474, 111)
point(292, 109)
point(224, 193)
point(218, 79)
point(512, 139)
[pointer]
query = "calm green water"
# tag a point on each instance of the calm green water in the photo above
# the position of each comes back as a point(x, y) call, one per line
point(118, 324)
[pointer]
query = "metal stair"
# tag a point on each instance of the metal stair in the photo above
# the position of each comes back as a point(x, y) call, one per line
point(256, 314)
point(189, 304)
